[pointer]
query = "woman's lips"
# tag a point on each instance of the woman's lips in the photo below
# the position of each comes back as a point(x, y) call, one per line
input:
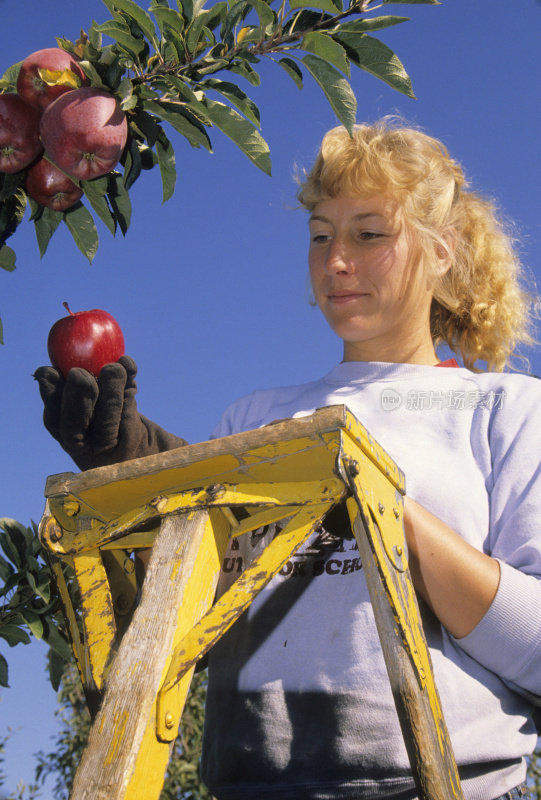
point(345, 296)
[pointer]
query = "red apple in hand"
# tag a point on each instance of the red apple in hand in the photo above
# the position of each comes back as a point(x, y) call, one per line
point(87, 339)
point(19, 133)
point(84, 132)
point(60, 65)
point(48, 186)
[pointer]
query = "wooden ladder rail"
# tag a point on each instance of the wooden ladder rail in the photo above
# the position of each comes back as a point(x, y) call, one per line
point(136, 655)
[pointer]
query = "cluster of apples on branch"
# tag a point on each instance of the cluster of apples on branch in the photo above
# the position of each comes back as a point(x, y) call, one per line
point(59, 129)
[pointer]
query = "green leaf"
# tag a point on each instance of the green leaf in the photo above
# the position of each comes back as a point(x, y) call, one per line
point(57, 665)
point(324, 5)
point(124, 92)
point(94, 37)
point(376, 58)
point(208, 19)
point(186, 8)
point(46, 221)
point(170, 84)
point(80, 224)
point(304, 20)
point(240, 10)
point(148, 126)
point(65, 44)
point(95, 192)
point(9, 78)
point(167, 19)
point(335, 87)
point(264, 12)
point(120, 201)
point(236, 96)
point(34, 623)
point(235, 16)
point(292, 69)
point(6, 524)
point(14, 635)
point(149, 159)
point(166, 161)
point(139, 16)
point(11, 214)
point(320, 44)
point(177, 115)
point(56, 642)
point(3, 672)
point(9, 183)
point(241, 67)
point(6, 570)
point(194, 33)
point(40, 587)
point(115, 67)
point(7, 258)
point(214, 15)
point(133, 164)
point(120, 34)
point(13, 542)
point(374, 24)
point(31, 563)
point(241, 132)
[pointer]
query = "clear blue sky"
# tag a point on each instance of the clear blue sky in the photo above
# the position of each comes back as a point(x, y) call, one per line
point(210, 288)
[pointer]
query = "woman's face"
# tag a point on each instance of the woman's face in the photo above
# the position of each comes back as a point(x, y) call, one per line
point(368, 281)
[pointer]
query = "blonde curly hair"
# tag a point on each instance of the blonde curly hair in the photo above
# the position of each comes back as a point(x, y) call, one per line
point(480, 308)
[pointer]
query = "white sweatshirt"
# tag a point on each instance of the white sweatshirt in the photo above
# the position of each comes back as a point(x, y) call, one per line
point(299, 704)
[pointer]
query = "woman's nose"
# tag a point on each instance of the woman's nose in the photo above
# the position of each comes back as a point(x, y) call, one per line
point(338, 259)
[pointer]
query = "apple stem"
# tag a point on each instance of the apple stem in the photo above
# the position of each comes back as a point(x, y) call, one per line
point(68, 309)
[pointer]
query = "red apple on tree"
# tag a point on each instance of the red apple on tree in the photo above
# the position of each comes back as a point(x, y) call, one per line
point(20, 143)
point(87, 339)
point(50, 187)
point(46, 74)
point(84, 132)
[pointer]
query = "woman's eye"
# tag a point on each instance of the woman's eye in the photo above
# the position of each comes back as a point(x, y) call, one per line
point(320, 238)
point(368, 235)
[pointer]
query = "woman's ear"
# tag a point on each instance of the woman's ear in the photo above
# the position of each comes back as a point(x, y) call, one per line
point(444, 252)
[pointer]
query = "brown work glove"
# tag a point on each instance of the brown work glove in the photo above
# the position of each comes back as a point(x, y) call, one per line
point(97, 421)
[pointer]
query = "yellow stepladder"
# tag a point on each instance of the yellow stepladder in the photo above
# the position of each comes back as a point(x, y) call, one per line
point(136, 654)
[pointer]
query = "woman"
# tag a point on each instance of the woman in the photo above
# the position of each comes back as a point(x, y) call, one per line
point(402, 257)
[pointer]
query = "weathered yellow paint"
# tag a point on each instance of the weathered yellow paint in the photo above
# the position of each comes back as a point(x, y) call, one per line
point(74, 633)
point(381, 507)
point(244, 494)
point(108, 492)
point(97, 615)
point(376, 498)
point(238, 597)
point(294, 470)
point(132, 541)
point(370, 447)
point(199, 597)
point(120, 723)
point(258, 519)
point(146, 779)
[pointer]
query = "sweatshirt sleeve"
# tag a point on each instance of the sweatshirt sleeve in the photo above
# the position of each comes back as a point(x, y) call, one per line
point(237, 417)
point(508, 638)
point(244, 414)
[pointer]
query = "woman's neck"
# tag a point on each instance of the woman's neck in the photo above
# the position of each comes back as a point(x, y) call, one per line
point(408, 353)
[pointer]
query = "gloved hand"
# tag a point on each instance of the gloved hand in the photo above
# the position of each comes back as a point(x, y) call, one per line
point(97, 421)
